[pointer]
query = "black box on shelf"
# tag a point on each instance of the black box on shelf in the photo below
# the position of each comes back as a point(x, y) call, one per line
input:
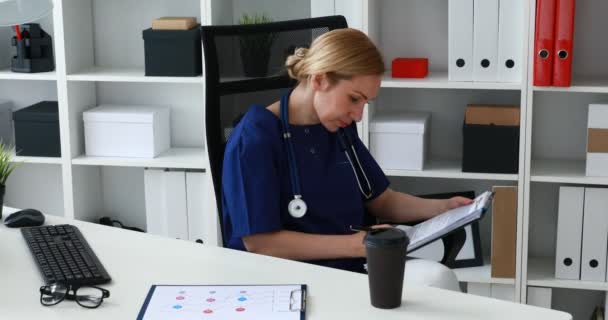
point(491, 139)
point(173, 53)
point(34, 51)
point(37, 130)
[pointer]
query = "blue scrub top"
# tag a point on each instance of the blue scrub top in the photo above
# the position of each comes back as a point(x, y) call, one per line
point(257, 188)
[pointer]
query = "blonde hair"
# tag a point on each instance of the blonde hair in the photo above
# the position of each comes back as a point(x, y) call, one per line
point(340, 54)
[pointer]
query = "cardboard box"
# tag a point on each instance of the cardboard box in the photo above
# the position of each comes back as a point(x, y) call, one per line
point(174, 23)
point(400, 141)
point(491, 139)
point(597, 141)
point(127, 131)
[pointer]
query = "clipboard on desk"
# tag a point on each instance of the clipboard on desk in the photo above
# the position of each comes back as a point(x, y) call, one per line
point(446, 223)
point(190, 302)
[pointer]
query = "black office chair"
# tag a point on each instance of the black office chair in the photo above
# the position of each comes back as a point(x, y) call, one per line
point(244, 64)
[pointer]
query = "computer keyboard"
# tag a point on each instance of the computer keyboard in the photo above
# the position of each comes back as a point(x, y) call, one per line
point(63, 255)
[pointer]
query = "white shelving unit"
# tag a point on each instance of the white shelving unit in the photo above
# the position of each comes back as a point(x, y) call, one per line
point(100, 59)
point(555, 156)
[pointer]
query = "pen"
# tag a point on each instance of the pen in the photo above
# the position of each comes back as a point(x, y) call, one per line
point(361, 228)
point(18, 32)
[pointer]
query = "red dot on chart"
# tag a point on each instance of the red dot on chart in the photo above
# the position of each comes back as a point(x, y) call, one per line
point(180, 298)
point(208, 311)
point(210, 300)
point(241, 309)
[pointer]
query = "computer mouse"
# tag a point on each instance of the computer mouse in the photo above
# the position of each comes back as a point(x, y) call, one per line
point(24, 218)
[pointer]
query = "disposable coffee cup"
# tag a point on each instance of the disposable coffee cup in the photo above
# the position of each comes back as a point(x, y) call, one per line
point(386, 250)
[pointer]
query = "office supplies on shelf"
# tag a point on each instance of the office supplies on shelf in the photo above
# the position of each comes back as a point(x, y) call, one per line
point(597, 140)
point(400, 140)
point(569, 233)
point(490, 140)
point(410, 67)
point(37, 130)
point(63, 255)
point(6, 123)
point(174, 23)
point(460, 36)
point(595, 235)
point(510, 40)
point(544, 42)
point(172, 53)
point(564, 40)
point(540, 297)
point(127, 131)
point(485, 40)
point(441, 225)
point(34, 50)
point(504, 231)
point(172, 302)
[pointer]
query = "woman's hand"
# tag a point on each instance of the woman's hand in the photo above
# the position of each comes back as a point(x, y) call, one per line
point(454, 203)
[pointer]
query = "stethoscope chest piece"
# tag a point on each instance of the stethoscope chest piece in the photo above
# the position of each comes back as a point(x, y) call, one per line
point(297, 207)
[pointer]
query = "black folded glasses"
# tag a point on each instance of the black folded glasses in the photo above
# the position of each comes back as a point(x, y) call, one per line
point(86, 296)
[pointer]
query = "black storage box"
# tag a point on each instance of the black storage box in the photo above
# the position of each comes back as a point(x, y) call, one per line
point(491, 148)
point(37, 130)
point(173, 53)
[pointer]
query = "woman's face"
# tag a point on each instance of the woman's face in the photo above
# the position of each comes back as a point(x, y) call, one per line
point(338, 105)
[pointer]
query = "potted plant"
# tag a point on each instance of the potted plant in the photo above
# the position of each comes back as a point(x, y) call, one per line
point(255, 48)
point(6, 168)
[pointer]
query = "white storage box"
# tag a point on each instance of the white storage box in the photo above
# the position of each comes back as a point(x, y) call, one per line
point(400, 141)
point(127, 131)
point(597, 140)
point(6, 122)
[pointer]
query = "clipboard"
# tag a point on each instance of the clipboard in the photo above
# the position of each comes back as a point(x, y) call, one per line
point(185, 302)
point(477, 211)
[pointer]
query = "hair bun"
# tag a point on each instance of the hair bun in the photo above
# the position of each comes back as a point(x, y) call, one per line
point(301, 52)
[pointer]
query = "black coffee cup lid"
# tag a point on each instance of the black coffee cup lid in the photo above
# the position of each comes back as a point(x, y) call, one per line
point(386, 237)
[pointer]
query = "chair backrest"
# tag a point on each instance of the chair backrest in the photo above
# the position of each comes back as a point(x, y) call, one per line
point(244, 64)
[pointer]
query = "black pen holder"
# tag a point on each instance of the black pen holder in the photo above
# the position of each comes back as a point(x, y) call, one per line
point(34, 51)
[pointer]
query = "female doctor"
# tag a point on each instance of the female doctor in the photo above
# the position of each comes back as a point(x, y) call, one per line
point(296, 176)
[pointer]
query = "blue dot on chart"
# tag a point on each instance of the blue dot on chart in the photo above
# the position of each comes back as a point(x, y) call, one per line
point(177, 307)
point(242, 299)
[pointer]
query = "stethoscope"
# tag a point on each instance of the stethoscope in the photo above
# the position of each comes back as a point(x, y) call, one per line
point(297, 206)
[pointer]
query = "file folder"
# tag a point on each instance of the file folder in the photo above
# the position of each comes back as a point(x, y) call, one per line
point(196, 191)
point(166, 212)
point(569, 233)
point(510, 40)
point(595, 235)
point(544, 38)
point(504, 232)
point(485, 40)
point(460, 35)
point(540, 297)
point(564, 33)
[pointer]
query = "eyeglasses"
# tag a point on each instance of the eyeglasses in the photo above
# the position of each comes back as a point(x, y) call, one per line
point(86, 296)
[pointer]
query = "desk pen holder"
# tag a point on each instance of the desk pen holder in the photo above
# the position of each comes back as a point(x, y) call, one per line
point(34, 51)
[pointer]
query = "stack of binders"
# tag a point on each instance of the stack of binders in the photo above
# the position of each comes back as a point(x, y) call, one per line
point(582, 234)
point(485, 46)
point(553, 41)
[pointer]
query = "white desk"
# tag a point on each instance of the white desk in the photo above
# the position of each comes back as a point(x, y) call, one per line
point(135, 261)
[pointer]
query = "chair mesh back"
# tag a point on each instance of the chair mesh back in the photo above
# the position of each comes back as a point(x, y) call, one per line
point(244, 65)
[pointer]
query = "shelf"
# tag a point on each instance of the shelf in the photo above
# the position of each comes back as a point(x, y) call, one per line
point(563, 171)
point(7, 74)
point(40, 160)
point(126, 75)
point(179, 158)
point(480, 274)
point(450, 169)
point(588, 84)
point(439, 80)
point(541, 273)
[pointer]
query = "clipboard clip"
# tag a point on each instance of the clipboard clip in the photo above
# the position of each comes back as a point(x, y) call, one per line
point(296, 304)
